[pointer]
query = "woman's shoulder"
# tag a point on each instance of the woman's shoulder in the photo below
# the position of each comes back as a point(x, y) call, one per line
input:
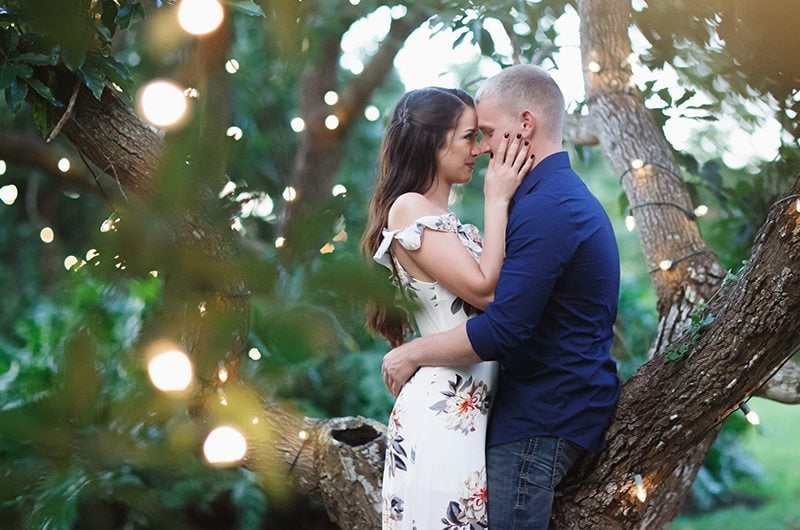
point(409, 208)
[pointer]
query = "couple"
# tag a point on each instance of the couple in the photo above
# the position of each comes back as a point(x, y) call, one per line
point(546, 277)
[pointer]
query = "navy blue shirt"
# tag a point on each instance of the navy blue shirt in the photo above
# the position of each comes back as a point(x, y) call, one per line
point(550, 325)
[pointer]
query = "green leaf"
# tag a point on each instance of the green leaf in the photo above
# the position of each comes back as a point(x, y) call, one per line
point(129, 15)
point(486, 42)
point(15, 94)
point(93, 78)
point(42, 116)
point(115, 71)
point(248, 7)
point(35, 59)
point(8, 73)
point(683, 348)
point(74, 58)
point(102, 31)
point(9, 39)
point(44, 91)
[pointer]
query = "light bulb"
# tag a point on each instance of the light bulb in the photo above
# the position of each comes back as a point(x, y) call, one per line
point(665, 265)
point(594, 67)
point(70, 262)
point(641, 493)
point(289, 194)
point(372, 113)
point(9, 194)
point(170, 371)
point(162, 103)
point(750, 415)
point(224, 446)
point(47, 235)
point(797, 206)
point(327, 248)
point(701, 210)
point(637, 163)
point(254, 354)
point(232, 66)
point(234, 132)
point(3, 167)
point(280, 242)
point(200, 17)
point(331, 122)
point(630, 223)
point(64, 165)
point(297, 124)
point(331, 97)
point(338, 190)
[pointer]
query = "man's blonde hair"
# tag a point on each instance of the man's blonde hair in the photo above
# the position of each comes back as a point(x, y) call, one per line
point(526, 86)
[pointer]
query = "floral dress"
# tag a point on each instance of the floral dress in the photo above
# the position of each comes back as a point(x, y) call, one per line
point(435, 470)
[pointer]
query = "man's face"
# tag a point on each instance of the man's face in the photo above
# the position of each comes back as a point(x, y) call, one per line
point(493, 123)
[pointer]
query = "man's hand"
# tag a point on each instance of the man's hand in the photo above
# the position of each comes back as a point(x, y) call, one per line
point(398, 366)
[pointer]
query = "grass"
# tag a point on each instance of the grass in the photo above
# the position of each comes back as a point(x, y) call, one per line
point(775, 444)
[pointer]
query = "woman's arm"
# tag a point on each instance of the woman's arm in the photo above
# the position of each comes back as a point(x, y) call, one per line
point(441, 256)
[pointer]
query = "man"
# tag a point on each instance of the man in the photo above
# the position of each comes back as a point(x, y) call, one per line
point(550, 324)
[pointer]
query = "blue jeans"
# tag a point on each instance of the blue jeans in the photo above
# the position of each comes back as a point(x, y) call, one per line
point(521, 478)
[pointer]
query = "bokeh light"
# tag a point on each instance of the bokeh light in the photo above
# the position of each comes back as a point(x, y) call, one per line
point(339, 189)
point(331, 122)
point(224, 446)
point(254, 354)
point(70, 261)
point(372, 113)
point(3, 167)
point(200, 17)
point(297, 124)
point(64, 165)
point(232, 66)
point(289, 194)
point(170, 371)
point(331, 97)
point(234, 132)
point(162, 103)
point(280, 242)
point(9, 194)
point(47, 235)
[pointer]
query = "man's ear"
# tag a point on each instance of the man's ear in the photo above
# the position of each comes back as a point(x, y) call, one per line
point(529, 123)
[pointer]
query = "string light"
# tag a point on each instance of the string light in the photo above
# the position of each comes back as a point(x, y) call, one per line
point(91, 254)
point(70, 261)
point(234, 132)
point(191, 93)
point(9, 194)
point(668, 264)
point(3, 167)
point(170, 371)
point(222, 374)
point(280, 242)
point(327, 248)
point(594, 67)
point(232, 66)
point(254, 354)
point(255, 421)
point(701, 210)
point(297, 124)
point(289, 194)
point(64, 165)
point(331, 97)
point(630, 222)
point(200, 17)
point(688, 213)
point(154, 274)
point(372, 113)
point(338, 189)
point(355, 2)
point(224, 446)
point(797, 206)
point(749, 414)
point(162, 103)
point(331, 122)
point(46, 234)
point(341, 236)
point(641, 492)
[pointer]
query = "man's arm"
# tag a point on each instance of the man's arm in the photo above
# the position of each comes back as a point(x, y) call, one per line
point(449, 348)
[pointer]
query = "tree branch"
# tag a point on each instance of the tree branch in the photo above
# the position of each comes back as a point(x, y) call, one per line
point(784, 386)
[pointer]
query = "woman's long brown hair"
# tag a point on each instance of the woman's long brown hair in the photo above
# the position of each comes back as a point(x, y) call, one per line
point(418, 129)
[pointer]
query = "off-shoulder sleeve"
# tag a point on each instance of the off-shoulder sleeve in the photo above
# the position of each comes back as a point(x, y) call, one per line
point(410, 236)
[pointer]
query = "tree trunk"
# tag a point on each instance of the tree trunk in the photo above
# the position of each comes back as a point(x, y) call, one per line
point(320, 151)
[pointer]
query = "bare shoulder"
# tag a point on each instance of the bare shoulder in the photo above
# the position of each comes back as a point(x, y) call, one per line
point(409, 207)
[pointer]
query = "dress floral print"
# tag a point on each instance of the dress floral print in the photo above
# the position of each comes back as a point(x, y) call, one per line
point(435, 470)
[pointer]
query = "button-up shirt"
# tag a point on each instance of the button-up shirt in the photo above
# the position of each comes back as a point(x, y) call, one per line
point(550, 325)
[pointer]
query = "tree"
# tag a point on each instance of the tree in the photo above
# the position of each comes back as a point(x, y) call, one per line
point(721, 336)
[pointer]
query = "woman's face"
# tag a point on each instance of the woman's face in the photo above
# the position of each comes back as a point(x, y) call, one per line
point(456, 159)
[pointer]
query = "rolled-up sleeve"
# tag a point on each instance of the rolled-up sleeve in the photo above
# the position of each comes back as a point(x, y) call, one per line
point(538, 244)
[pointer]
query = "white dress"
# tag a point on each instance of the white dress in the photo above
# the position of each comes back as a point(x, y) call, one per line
point(435, 470)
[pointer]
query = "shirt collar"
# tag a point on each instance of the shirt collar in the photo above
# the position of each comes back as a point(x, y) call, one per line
point(554, 162)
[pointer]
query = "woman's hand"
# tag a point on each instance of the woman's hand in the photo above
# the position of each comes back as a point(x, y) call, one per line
point(507, 167)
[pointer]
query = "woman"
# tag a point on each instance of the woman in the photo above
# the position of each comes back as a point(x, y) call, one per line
point(434, 475)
